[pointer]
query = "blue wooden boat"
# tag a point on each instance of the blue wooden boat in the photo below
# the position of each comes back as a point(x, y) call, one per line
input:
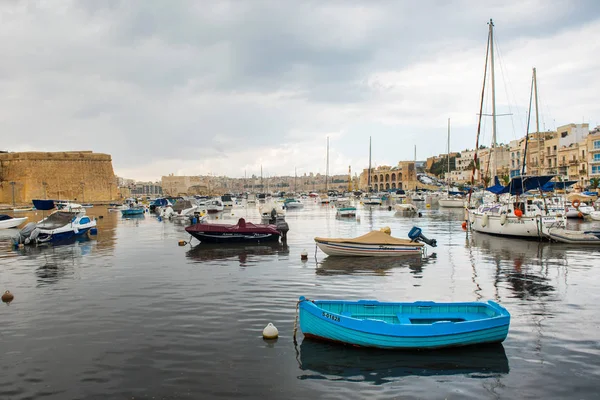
point(126, 212)
point(418, 325)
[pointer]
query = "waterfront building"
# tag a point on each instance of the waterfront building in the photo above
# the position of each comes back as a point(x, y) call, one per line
point(385, 177)
point(593, 154)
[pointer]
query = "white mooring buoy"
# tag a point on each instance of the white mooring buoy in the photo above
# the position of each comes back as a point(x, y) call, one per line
point(304, 255)
point(270, 332)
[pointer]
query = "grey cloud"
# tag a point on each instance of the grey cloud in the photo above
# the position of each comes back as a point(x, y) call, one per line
point(135, 78)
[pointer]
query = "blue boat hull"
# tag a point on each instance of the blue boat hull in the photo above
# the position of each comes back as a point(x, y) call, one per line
point(62, 236)
point(133, 211)
point(368, 323)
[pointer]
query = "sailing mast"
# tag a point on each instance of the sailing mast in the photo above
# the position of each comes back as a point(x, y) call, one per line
point(448, 156)
point(537, 125)
point(327, 169)
point(475, 160)
point(369, 173)
point(493, 151)
point(295, 178)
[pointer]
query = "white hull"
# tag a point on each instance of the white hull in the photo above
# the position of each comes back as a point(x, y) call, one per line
point(535, 226)
point(452, 203)
point(294, 204)
point(367, 250)
point(372, 202)
point(12, 223)
point(595, 215)
point(347, 213)
point(406, 208)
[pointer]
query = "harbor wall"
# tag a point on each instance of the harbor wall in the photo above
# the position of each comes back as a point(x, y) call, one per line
point(81, 176)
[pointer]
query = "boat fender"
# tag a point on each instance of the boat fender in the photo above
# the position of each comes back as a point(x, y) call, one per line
point(270, 332)
point(182, 243)
point(580, 214)
point(518, 213)
point(420, 215)
point(93, 231)
point(503, 219)
point(464, 225)
point(484, 220)
point(389, 208)
point(576, 203)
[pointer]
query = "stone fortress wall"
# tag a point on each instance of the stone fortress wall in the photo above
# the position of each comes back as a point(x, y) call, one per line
point(81, 176)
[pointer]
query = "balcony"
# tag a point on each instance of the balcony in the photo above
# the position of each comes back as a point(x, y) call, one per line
point(573, 162)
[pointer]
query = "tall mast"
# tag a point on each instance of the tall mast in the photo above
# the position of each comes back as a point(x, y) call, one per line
point(537, 125)
point(448, 156)
point(327, 169)
point(262, 188)
point(369, 173)
point(295, 178)
point(492, 154)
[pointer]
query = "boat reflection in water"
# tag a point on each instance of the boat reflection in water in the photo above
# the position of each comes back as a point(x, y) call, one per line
point(210, 252)
point(372, 265)
point(336, 362)
point(58, 262)
point(524, 264)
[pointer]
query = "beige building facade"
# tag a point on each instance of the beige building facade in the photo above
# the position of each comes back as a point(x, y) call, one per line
point(401, 176)
point(81, 176)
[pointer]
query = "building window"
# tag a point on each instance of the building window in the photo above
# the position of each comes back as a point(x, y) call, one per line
point(596, 144)
point(595, 169)
point(596, 157)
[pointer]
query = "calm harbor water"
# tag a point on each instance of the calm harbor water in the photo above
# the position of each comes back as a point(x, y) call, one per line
point(130, 314)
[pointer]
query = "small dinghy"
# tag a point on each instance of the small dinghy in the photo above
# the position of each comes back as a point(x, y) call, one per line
point(574, 237)
point(376, 243)
point(595, 215)
point(346, 211)
point(7, 222)
point(418, 325)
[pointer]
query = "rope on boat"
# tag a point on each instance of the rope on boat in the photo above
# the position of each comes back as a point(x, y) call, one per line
point(296, 320)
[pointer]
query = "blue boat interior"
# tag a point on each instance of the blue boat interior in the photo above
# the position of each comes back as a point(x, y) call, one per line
point(421, 313)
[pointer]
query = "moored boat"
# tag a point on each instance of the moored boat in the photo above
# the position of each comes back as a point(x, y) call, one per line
point(7, 222)
point(406, 209)
point(346, 211)
point(126, 212)
point(214, 206)
point(418, 325)
point(595, 215)
point(59, 226)
point(574, 237)
point(451, 202)
point(292, 203)
point(373, 200)
point(374, 244)
point(243, 231)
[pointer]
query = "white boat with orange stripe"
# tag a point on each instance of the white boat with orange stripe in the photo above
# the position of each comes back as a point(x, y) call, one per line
point(375, 244)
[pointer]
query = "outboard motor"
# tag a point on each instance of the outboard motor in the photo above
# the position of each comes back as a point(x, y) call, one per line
point(26, 235)
point(283, 228)
point(415, 235)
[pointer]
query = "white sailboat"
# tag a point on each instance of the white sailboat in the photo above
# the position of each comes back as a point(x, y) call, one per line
point(518, 217)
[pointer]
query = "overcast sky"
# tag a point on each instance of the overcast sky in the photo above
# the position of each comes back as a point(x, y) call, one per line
point(198, 87)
